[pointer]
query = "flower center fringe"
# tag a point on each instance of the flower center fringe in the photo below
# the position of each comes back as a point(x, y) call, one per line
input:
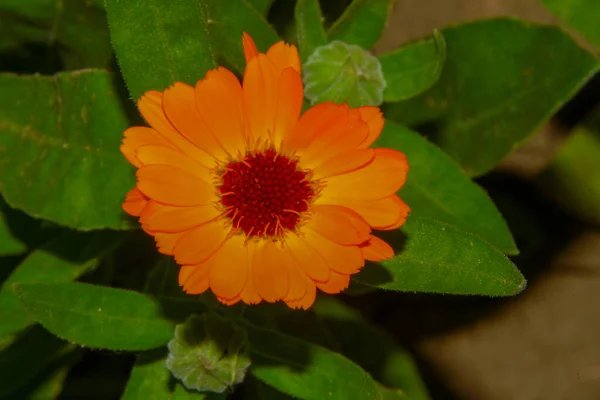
point(265, 194)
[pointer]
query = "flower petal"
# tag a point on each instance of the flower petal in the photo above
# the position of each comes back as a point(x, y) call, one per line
point(164, 218)
point(174, 186)
point(229, 272)
point(250, 49)
point(343, 259)
point(166, 241)
point(336, 284)
point(389, 167)
point(311, 262)
point(290, 94)
point(198, 244)
point(160, 155)
point(196, 281)
point(219, 103)
point(296, 275)
point(270, 275)
point(377, 250)
point(260, 98)
point(249, 294)
point(135, 202)
point(229, 302)
point(179, 103)
point(374, 118)
point(138, 136)
point(339, 224)
point(307, 300)
point(283, 56)
point(343, 163)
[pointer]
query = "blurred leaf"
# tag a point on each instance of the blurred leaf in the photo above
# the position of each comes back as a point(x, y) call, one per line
point(309, 27)
point(49, 383)
point(437, 188)
point(29, 355)
point(228, 20)
point(435, 257)
point(306, 326)
point(209, 353)
point(151, 380)
point(343, 73)
point(97, 317)
point(573, 176)
point(362, 23)
point(413, 68)
point(378, 354)
point(502, 78)
point(9, 244)
point(581, 15)
point(305, 370)
point(159, 42)
point(262, 6)
point(63, 259)
point(67, 129)
point(254, 389)
point(78, 27)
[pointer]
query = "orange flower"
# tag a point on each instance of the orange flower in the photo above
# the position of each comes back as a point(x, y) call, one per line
point(253, 200)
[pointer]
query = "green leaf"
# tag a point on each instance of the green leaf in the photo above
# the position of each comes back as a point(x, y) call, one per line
point(158, 42)
point(343, 73)
point(209, 353)
point(310, 32)
point(9, 244)
point(305, 370)
point(151, 380)
point(228, 20)
point(362, 23)
point(378, 354)
point(435, 257)
point(437, 188)
point(98, 317)
point(67, 129)
point(581, 15)
point(413, 68)
point(63, 259)
point(502, 78)
point(29, 355)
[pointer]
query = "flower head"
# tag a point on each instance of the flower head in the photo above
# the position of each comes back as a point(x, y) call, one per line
point(254, 200)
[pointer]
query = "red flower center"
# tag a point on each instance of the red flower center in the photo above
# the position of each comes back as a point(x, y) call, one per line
point(265, 193)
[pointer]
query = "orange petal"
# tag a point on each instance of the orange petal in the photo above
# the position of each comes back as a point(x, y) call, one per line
point(174, 186)
point(219, 103)
point(151, 108)
point(176, 219)
point(339, 224)
point(229, 272)
point(269, 273)
point(307, 300)
point(343, 259)
point(260, 98)
point(152, 155)
point(138, 136)
point(229, 302)
point(179, 103)
point(135, 202)
point(336, 284)
point(249, 294)
point(166, 241)
point(380, 214)
point(311, 262)
point(377, 250)
point(343, 163)
point(389, 167)
point(197, 280)
point(198, 244)
point(250, 49)
point(374, 118)
point(297, 278)
point(283, 56)
point(290, 94)
point(312, 123)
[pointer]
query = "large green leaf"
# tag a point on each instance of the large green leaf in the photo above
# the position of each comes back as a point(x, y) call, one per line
point(378, 354)
point(159, 42)
point(413, 68)
point(62, 260)
point(581, 15)
point(9, 243)
point(151, 380)
point(435, 257)
point(228, 20)
point(310, 32)
point(29, 355)
point(96, 316)
point(502, 78)
point(438, 188)
point(362, 23)
point(59, 148)
point(306, 371)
